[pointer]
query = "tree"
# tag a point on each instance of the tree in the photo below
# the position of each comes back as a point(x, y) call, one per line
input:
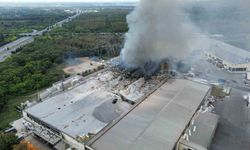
point(2, 98)
point(7, 141)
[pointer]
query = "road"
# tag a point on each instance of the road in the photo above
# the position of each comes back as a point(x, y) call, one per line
point(60, 23)
point(233, 132)
point(6, 50)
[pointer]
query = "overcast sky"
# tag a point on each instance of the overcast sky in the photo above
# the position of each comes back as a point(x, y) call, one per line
point(45, 1)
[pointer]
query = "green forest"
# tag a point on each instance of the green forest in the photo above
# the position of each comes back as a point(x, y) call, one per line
point(14, 21)
point(39, 64)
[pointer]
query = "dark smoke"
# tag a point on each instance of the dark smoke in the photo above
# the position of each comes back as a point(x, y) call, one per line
point(158, 29)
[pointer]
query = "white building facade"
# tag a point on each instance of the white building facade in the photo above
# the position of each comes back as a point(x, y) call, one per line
point(229, 66)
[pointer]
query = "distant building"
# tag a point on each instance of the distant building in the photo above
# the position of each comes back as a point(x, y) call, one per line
point(229, 57)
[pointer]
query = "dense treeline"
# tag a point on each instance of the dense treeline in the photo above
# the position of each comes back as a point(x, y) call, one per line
point(14, 21)
point(36, 65)
point(108, 20)
point(28, 70)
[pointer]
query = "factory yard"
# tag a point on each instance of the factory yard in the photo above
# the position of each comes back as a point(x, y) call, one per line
point(83, 64)
point(233, 132)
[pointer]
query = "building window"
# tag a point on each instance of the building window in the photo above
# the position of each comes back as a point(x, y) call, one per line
point(241, 69)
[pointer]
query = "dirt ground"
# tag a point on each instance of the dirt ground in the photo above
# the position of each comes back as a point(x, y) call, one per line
point(85, 64)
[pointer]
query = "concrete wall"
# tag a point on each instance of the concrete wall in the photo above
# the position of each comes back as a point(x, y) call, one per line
point(67, 139)
point(182, 146)
point(42, 131)
point(73, 142)
point(230, 67)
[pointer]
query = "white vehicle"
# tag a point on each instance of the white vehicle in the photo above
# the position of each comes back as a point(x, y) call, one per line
point(247, 99)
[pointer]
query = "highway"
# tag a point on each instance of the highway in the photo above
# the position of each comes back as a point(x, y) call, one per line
point(6, 50)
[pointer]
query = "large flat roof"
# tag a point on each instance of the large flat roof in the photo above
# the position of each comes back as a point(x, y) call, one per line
point(157, 122)
point(79, 111)
point(224, 51)
point(229, 53)
point(205, 125)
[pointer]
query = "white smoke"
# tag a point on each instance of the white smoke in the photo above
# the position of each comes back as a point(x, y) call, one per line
point(158, 29)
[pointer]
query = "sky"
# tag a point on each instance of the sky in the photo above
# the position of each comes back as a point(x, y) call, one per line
point(51, 1)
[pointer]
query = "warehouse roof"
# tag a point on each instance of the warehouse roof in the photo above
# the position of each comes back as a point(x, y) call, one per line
point(227, 52)
point(77, 112)
point(157, 122)
point(202, 130)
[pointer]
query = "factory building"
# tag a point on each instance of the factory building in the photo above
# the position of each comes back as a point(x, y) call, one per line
point(108, 112)
point(161, 120)
point(228, 57)
point(69, 118)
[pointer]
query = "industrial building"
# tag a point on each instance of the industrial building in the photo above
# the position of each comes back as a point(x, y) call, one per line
point(228, 57)
point(68, 118)
point(108, 110)
point(72, 117)
point(160, 121)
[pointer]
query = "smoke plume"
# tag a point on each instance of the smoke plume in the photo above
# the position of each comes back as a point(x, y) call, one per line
point(158, 29)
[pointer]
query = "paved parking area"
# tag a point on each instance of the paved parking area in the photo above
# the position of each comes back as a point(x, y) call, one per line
point(233, 132)
point(38, 143)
